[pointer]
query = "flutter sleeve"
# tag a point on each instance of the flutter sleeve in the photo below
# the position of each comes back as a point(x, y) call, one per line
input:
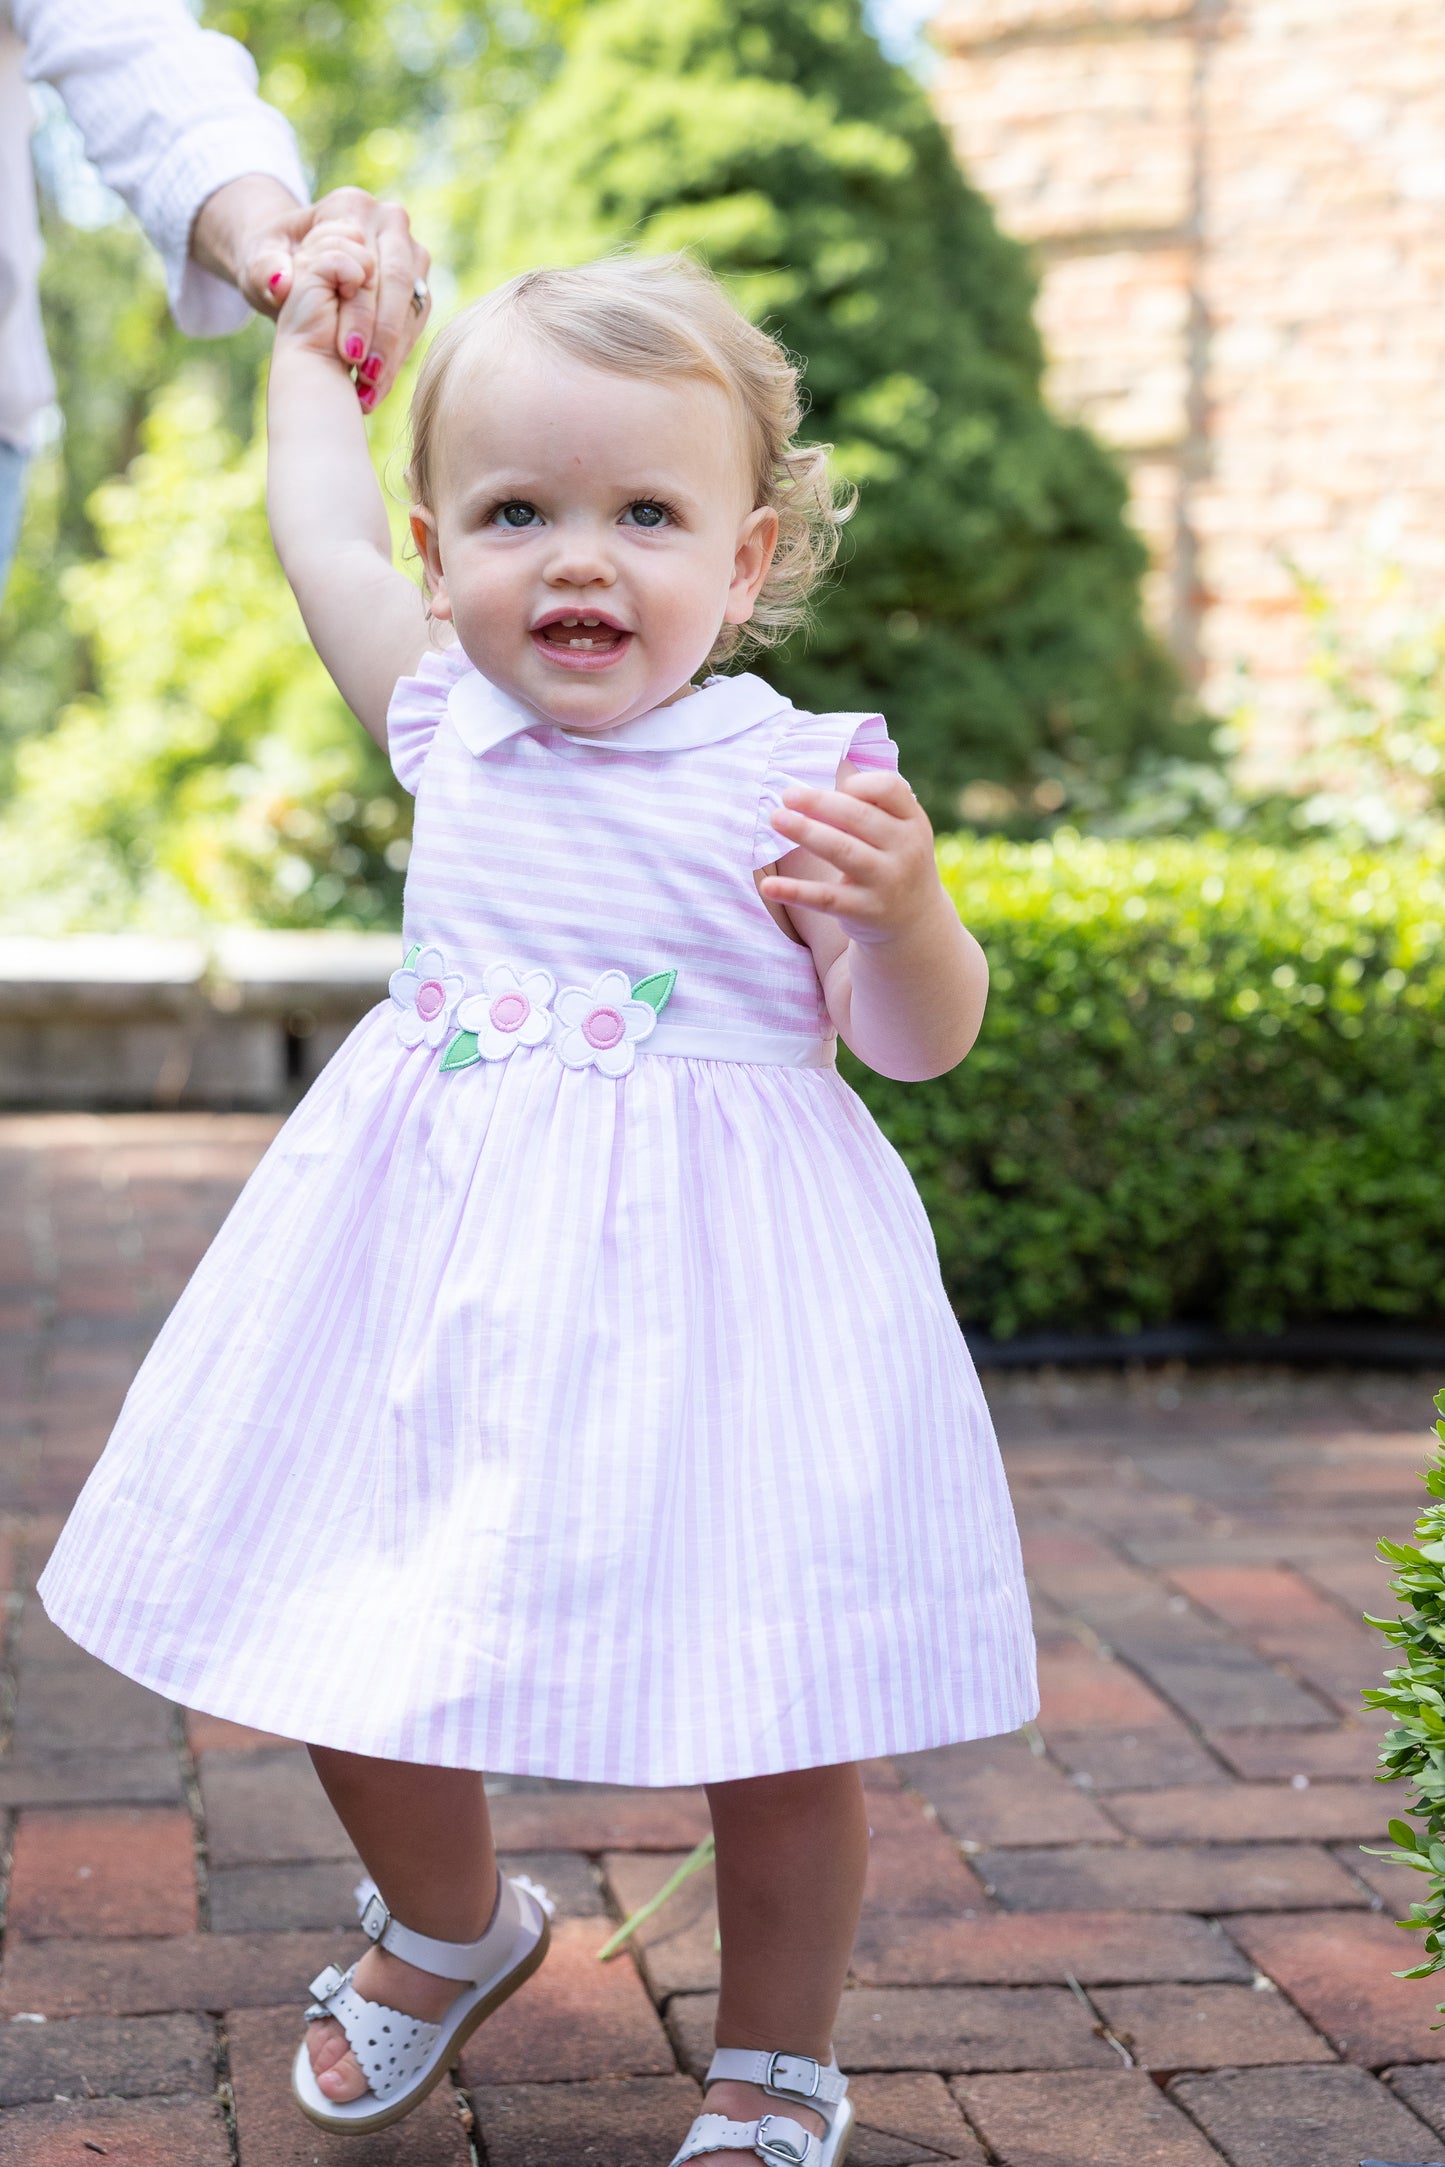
point(809, 749)
point(417, 706)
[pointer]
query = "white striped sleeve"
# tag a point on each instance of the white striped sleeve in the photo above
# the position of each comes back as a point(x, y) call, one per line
point(809, 749)
point(169, 114)
point(416, 708)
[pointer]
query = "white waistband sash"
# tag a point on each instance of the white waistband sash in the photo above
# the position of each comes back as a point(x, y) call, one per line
point(772, 1049)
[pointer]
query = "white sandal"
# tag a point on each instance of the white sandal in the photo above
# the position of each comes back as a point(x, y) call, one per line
point(776, 2138)
point(401, 2056)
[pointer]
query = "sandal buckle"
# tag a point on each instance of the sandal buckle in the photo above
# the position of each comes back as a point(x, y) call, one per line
point(780, 2149)
point(775, 2082)
point(375, 1918)
point(325, 1984)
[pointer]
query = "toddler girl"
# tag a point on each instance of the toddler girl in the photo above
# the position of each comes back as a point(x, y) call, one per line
point(572, 1392)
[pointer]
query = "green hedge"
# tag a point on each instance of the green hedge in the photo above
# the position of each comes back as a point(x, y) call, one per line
point(1209, 1087)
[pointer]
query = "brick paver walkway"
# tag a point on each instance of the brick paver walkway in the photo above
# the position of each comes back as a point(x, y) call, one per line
point(1143, 1935)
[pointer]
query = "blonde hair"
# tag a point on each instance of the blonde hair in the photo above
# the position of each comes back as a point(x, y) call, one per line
point(666, 316)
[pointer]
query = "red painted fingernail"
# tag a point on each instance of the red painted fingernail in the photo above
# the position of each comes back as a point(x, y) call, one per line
point(367, 396)
point(274, 280)
point(355, 347)
point(372, 367)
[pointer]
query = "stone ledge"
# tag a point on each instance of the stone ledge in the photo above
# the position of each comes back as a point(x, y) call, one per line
point(244, 1019)
point(99, 975)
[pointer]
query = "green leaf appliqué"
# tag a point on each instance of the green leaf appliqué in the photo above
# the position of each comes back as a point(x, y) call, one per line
point(408, 961)
point(656, 991)
point(462, 1051)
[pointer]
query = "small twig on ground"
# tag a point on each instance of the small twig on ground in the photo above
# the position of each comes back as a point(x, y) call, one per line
point(692, 1864)
point(1098, 2023)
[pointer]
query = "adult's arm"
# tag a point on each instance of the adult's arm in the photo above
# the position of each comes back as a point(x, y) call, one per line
point(170, 116)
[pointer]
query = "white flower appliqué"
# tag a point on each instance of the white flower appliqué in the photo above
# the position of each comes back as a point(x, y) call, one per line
point(602, 1023)
point(425, 993)
point(512, 1010)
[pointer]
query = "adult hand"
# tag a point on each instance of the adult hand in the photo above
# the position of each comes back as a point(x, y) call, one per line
point(247, 232)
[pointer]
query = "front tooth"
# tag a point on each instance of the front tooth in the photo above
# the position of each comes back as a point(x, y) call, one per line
point(592, 620)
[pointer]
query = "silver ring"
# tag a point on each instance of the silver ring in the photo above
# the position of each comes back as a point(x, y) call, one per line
point(420, 295)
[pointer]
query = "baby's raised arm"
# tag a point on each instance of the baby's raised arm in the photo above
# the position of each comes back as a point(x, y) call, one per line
point(367, 620)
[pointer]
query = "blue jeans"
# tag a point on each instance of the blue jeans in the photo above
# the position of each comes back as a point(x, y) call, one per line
point(13, 463)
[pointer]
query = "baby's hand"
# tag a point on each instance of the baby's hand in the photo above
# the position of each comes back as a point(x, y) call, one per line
point(332, 298)
point(876, 836)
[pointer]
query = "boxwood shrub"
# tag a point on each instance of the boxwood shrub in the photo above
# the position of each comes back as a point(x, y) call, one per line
point(1209, 1087)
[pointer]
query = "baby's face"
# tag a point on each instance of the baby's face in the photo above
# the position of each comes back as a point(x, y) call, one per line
point(592, 533)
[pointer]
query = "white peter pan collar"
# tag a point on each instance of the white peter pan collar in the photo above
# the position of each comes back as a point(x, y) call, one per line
point(485, 717)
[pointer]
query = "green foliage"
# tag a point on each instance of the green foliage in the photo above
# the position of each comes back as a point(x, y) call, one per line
point(214, 773)
point(1413, 1695)
point(111, 340)
point(1207, 1087)
point(409, 102)
point(990, 600)
point(1375, 769)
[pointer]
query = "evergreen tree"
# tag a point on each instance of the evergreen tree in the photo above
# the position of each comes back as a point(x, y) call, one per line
point(990, 599)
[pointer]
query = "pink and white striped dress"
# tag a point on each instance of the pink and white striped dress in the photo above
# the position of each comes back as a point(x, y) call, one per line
point(572, 1391)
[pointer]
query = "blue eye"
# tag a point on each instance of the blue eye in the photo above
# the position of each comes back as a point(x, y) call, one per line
point(648, 513)
point(516, 514)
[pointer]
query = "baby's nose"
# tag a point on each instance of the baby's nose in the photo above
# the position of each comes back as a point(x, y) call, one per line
point(579, 563)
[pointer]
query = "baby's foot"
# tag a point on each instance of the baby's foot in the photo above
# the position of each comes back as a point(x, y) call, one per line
point(379, 1977)
point(747, 2103)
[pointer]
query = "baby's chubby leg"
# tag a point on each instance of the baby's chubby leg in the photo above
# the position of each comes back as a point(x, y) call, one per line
point(426, 1840)
point(792, 1852)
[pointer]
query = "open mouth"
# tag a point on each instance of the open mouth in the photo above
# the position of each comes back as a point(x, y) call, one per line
point(581, 640)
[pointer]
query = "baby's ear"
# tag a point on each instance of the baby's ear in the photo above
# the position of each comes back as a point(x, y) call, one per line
point(424, 534)
point(757, 540)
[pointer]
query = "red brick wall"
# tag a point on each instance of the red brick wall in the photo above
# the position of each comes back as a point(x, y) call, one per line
point(1238, 208)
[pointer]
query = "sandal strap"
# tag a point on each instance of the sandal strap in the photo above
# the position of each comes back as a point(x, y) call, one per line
point(389, 2045)
point(466, 1961)
point(822, 2085)
point(777, 2139)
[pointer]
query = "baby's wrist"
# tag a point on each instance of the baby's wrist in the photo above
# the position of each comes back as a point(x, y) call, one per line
point(928, 918)
point(301, 352)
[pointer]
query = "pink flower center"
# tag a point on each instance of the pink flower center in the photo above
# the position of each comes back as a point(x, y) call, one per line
point(603, 1028)
point(431, 999)
point(509, 1011)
